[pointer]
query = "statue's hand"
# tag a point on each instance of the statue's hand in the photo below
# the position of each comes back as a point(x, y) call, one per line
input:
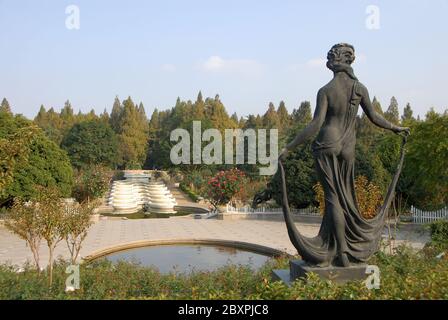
point(403, 131)
point(283, 154)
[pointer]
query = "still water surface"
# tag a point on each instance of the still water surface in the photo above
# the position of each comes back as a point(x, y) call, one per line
point(187, 258)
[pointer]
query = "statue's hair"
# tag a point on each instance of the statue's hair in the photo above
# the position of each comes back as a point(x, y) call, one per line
point(335, 51)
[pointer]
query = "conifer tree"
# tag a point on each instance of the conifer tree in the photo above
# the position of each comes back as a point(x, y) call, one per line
point(392, 113)
point(117, 110)
point(270, 118)
point(5, 107)
point(132, 135)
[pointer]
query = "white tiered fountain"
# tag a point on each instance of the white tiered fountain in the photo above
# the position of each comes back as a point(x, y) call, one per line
point(124, 197)
point(135, 192)
point(161, 199)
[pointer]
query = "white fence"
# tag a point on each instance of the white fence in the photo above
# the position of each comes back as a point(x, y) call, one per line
point(263, 210)
point(422, 217)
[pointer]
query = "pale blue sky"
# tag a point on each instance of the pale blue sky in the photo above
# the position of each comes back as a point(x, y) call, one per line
point(249, 52)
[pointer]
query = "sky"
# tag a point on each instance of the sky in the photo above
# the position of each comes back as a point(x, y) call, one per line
point(250, 52)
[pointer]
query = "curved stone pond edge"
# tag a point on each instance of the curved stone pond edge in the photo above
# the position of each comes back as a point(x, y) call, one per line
point(255, 248)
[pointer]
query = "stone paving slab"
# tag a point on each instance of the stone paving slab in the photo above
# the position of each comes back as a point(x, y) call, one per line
point(113, 232)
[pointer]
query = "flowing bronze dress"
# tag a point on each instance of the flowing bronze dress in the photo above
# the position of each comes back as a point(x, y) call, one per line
point(343, 229)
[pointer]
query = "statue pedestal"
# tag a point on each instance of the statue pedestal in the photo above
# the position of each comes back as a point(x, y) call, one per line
point(298, 269)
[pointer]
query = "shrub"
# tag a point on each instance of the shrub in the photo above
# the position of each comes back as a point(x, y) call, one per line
point(224, 186)
point(368, 196)
point(439, 233)
point(92, 183)
point(405, 275)
point(193, 196)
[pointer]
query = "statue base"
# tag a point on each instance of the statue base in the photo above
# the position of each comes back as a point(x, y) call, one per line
point(298, 269)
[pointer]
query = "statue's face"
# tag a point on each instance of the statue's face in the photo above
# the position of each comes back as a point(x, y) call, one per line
point(345, 55)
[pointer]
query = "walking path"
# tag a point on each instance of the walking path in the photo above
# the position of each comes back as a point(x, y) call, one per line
point(110, 233)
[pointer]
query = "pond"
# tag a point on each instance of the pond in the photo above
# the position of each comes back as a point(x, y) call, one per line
point(188, 258)
point(147, 215)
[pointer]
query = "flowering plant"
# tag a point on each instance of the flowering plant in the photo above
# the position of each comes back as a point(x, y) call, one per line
point(222, 188)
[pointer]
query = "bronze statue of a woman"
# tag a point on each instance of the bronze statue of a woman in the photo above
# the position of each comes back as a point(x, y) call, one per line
point(345, 236)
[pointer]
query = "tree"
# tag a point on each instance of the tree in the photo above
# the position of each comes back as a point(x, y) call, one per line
point(105, 116)
point(67, 115)
point(51, 123)
point(284, 118)
point(368, 132)
point(91, 183)
point(223, 187)
point(4, 106)
point(368, 197)
point(117, 110)
point(37, 220)
point(91, 142)
point(302, 115)
point(300, 179)
point(77, 221)
point(51, 221)
point(132, 133)
point(425, 165)
point(217, 115)
point(270, 118)
point(41, 118)
point(199, 108)
point(24, 220)
point(47, 165)
point(392, 114)
point(407, 116)
point(14, 144)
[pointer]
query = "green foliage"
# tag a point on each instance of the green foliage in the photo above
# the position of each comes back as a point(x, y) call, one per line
point(131, 126)
point(15, 151)
point(47, 165)
point(76, 223)
point(191, 194)
point(224, 186)
point(439, 233)
point(407, 116)
point(5, 107)
point(405, 275)
point(92, 183)
point(392, 113)
point(91, 142)
point(300, 179)
point(425, 166)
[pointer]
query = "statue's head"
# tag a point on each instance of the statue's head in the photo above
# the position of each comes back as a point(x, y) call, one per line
point(340, 54)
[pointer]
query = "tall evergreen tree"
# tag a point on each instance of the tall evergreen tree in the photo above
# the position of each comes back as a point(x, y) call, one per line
point(302, 116)
point(392, 114)
point(132, 135)
point(117, 110)
point(5, 107)
point(41, 118)
point(284, 118)
point(407, 116)
point(199, 108)
point(67, 114)
point(270, 118)
point(105, 116)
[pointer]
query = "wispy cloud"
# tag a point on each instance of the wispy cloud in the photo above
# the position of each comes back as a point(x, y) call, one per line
point(216, 64)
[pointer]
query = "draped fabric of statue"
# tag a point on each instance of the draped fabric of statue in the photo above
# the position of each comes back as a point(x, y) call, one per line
point(345, 236)
point(335, 164)
point(358, 237)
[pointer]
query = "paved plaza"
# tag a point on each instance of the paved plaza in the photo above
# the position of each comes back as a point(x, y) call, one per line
point(112, 232)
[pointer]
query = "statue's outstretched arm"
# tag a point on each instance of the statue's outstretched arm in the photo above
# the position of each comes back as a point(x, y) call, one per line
point(374, 116)
point(315, 125)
